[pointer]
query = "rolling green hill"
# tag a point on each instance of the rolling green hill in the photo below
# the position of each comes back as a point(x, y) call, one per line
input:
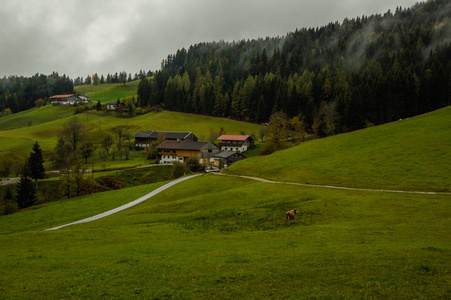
point(219, 237)
point(20, 140)
point(35, 116)
point(410, 154)
point(109, 91)
point(224, 237)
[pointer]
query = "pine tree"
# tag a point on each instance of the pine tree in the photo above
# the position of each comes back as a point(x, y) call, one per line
point(26, 194)
point(36, 164)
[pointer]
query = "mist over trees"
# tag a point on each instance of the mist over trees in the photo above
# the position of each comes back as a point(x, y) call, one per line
point(339, 77)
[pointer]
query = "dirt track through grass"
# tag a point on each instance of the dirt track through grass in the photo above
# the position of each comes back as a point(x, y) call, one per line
point(334, 187)
point(128, 205)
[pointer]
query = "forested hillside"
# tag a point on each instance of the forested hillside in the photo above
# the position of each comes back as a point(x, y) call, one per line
point(336, 78)
point(18, 93)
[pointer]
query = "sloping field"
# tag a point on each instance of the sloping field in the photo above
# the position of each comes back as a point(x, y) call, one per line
point(21, 139)
point(108, 91)
point(218, 237)
point(226, 237)
point(412, 154)
point(35, 116)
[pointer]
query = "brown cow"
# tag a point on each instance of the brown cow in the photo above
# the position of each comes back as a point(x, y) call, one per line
point(290, 215)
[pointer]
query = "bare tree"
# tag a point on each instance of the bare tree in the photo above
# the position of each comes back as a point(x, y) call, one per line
point(74, 133)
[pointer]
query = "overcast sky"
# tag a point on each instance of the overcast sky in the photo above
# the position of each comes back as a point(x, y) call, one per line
point(83, 37)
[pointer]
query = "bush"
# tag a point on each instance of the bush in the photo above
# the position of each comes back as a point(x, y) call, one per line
point(110, 183)
point(271, 147)
point(178, 170)
point(193, 164)
point(8, 208)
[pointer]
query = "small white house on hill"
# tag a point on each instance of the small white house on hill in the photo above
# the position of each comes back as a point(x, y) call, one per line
point(237, 143)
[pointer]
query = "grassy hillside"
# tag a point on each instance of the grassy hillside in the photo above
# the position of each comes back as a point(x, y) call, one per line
point(35, 116)
point(108, 92)
point(411, 154)
point(98, 123)
point(216, 237)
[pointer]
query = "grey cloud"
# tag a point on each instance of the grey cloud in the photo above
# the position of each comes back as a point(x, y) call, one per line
point(81, 37)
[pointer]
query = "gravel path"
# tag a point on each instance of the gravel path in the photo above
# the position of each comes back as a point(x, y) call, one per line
point(334, 187)
point(128, 205)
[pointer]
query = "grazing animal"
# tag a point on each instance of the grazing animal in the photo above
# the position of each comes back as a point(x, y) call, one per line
point(290, 215)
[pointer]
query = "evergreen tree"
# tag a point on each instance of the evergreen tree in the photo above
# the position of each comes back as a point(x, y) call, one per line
point(99, 105)
point(36, 164)
point(25, 192)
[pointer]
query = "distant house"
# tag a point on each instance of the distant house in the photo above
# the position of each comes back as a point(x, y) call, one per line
point(226, 158)
point(143, 139)
point(171, 151)
point(69, 99)
point(237, 143)
point(111, 105)
point(83, 99)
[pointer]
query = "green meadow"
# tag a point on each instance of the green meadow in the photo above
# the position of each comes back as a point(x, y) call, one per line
point(108, 91)
point(220, 237)
point(412, 154)
point(20, 140)
point(226, 237)
point(35, 116)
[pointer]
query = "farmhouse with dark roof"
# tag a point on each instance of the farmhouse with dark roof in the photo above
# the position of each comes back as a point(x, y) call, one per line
point(144, 139)
point(171, 151)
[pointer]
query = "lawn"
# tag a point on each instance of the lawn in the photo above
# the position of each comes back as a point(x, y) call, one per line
point(216, 237)
point(411, 154)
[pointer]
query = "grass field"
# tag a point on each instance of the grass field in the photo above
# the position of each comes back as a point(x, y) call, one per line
point(20, 140)
point(224, 237)
point(215, 237)
point(109, 91)
point(35, 116)
point(411, 154)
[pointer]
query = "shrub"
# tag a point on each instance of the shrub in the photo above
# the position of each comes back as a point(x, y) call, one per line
point(10, 207)
point(110, 183)
point(178, 170)
point(193, 164)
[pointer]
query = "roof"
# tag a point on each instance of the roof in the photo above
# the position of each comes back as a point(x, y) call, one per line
point(61, 96)
point(227, 154)
point(233, 137)
point(169, 135)
point(183, 145)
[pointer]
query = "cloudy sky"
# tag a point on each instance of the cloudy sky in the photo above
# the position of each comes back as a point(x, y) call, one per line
point(83, 37)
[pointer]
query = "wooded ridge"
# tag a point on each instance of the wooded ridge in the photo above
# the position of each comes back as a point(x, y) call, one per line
point(339, 77)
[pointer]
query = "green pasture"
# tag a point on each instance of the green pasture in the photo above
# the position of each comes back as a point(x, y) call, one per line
point(410, 154)
point(20, 140)
point(35, 116)
point(218, 237)
point(108, 91)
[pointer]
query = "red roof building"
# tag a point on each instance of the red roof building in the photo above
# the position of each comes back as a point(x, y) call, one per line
point(237, 143)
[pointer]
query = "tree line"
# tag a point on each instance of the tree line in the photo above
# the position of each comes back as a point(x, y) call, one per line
point(18, 93)
point(121, 77)
point(336, 78)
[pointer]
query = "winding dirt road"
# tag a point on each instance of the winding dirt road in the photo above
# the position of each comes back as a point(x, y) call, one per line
point(128, 205)
point(333, 187)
